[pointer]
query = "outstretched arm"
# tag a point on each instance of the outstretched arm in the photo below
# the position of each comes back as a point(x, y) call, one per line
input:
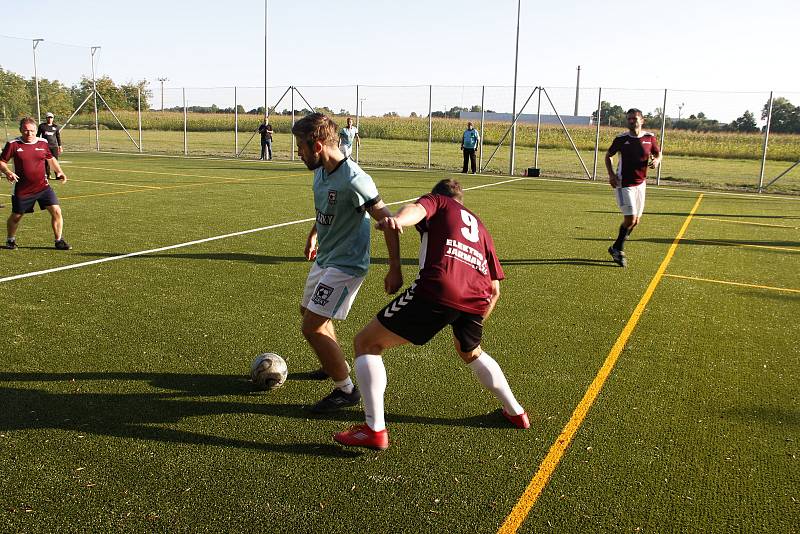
point(408, 215)
point(394, 278)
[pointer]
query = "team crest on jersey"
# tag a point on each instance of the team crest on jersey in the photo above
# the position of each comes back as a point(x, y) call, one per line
point(332, 196)
point(322, 294)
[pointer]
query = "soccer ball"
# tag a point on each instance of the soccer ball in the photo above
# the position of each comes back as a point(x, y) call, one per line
point(268, 371)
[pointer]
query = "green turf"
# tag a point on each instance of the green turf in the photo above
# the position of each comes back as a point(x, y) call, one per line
point(125, 405)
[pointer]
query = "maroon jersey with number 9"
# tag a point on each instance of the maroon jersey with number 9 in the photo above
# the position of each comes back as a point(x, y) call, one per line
point(457, 257)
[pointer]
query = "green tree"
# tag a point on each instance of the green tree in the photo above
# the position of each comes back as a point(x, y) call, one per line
point(14, 95)
point(785, 116)
point(131, 92)
point(611, 115)
point(745, 123)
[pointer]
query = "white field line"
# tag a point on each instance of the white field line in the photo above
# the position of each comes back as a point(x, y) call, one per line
point(198, 241)
point(599, 182)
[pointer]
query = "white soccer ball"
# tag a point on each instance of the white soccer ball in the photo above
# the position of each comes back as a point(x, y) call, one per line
point(268, 371)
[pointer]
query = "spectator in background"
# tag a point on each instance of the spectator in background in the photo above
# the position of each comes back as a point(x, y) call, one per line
point(50, 132)
point(348, 136)
point(469, 145)
point(265, 129)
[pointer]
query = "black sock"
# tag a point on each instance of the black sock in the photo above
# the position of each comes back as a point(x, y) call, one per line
point(624, 232)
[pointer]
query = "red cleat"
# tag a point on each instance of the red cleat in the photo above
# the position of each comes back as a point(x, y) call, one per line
point(519, 421)
point(363, 436)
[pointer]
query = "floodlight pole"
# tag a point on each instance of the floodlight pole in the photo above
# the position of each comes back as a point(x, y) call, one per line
point(358, 117)
point(577, 90)
point(36, 80)
point(185, 125)
point(766, 145)
point(514, 103)
point(162, 80)
point(663, 130)
point(139, 113)
point(430, 122)
point(94, 90)
point(597, 131)
point(266, 107)
point(538, 129)
point(292, 100)
point(483, 116)
point(235, 123)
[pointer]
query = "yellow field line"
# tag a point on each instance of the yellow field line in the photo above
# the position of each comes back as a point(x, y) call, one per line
point(747, 222)
point(729, 244)
point(108, 194)
point(557, 450)
point(733, 283)
point(136, 171)
point(114, 183)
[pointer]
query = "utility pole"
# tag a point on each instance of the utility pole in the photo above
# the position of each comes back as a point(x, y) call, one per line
point(577, 90)
point(162, 80)
point(679, 110)
point(36, 80)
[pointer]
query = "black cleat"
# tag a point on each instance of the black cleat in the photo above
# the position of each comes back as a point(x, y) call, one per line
point(618, 256)
point(11, 244)
point(62, 245)
point(336, 400)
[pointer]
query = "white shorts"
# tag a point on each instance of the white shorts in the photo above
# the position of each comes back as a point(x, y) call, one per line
point(346, 150)
point(631, 199)
point(330, 292)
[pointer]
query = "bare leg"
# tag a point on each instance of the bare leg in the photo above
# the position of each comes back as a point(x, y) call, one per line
point(56, 220)
point(320, 334)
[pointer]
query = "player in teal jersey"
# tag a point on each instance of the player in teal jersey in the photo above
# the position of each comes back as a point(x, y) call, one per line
point(348, 136)
point(339, 245)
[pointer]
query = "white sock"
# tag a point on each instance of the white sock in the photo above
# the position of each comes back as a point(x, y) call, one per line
point(492, 378)
point(345, 385)
point(371, 376)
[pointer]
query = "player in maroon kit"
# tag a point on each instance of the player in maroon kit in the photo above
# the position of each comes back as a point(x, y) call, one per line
point(29, 181)
point(458, 285)
point(637, 150)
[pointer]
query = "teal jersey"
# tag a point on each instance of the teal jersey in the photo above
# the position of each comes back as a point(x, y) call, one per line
point(347, 136)
point(341, 200)
point(471, 138)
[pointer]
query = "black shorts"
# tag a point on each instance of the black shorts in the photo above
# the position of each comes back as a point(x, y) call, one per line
point(417, 320)
point(45, 198)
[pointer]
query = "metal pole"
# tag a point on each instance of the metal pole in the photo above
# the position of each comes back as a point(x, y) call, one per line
point(266, 107)
point(162, 80)
point(597, 131)
point(483, 116)
point(663, 130)
point(766, 144)
point(430, 122)
point(235, 123)
point(5, 124)
point(538, 129)
point(293, 150)
point(94, 90)
point(782, 174)
point(358, 119)
point(577, 90)
point(185, 125)
point(139, 113)
point(514, 103)
point(564, 127)
point(36, 80)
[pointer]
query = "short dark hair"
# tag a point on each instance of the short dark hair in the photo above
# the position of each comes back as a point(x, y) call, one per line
point(316, 127)
point(636, 111)
point(449, 188)
point(27, 120)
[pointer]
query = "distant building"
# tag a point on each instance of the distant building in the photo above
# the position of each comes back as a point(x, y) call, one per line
point(569, 120)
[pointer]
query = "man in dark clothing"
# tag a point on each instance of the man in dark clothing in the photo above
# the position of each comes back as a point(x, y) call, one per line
point(50, 132)
point(266, 141)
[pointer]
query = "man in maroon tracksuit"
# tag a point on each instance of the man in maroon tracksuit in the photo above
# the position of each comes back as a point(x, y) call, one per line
point(458, 285)
point(30, 185)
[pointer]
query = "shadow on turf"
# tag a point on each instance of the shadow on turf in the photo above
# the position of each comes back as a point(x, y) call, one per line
point(705, 242)
point(686, 214)
point(142, 415)
point(559, 261)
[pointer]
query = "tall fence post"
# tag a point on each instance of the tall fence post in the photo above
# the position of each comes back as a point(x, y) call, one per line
point(185, 126)
point(483, 116)
point(358, 120)
point(663, 131)
point(235, 122)
point(94, 91)
point(139, 113)
point(538, 129)
point(597, 131)
point(292, 136)
point(430, 122)
point(766, 144)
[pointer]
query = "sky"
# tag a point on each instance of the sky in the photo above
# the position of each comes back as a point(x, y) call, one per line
point(713, 56)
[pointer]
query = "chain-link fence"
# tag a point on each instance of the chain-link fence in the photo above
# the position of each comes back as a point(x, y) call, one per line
point(714, 139)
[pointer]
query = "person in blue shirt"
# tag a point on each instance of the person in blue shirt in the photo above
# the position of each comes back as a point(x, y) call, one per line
point(344, 199)
point(469, 145)
point(348, 136)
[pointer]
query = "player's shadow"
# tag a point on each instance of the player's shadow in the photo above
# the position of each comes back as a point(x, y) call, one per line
point(590, 262)
point(686, 214)
point(706, 242)
point(174, 397)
